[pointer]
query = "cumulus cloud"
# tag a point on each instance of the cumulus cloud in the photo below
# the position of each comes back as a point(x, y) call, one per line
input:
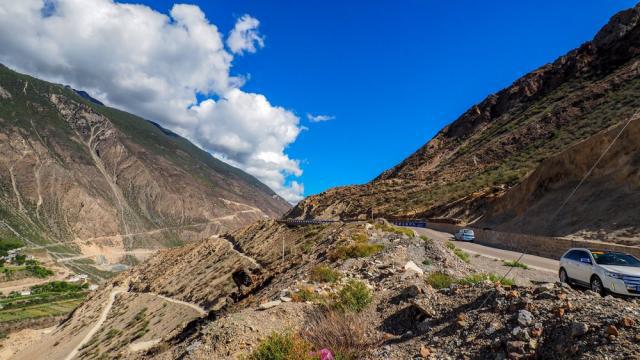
point(245, 36)
point(320, 118)
point(155, 65)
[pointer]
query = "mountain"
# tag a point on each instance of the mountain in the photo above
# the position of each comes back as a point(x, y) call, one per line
point(98, 186)
point(501, 142)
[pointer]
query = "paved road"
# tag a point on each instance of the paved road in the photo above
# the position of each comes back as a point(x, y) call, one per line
point(535, 262)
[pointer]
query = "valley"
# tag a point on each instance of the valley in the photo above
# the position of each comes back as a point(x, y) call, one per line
point(121, 239)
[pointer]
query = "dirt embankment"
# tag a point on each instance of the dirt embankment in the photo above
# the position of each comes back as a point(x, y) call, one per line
point(601, 208)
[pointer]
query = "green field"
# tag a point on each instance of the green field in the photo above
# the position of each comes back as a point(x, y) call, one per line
point(51, 299)
point(39, 310)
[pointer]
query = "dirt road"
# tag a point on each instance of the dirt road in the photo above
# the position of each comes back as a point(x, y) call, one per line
point(98, 323)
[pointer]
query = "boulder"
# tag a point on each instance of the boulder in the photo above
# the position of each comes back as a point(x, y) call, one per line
point(525, 318)
point(579, 328)
point(411, 267)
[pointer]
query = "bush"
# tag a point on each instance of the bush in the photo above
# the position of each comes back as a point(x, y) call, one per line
point(458, 252)
point(354, 296)
point(440, 280)
point(307, 294)
point(515, 263)
point(426, 239)
point(356, 250)
point(58, 287)
point(359, 237)
point(478, 278)
point(284, 346)
point(39, 271)
point(342, 333)
point(323, 273)
point(394, 229)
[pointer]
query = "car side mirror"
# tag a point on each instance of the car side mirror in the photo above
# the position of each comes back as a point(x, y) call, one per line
point(585, 260)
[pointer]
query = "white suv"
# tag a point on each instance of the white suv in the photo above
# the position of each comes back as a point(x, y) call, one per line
point(601, 270)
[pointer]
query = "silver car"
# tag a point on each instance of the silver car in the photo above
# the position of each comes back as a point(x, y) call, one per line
point(601, 270)
point(465, 235)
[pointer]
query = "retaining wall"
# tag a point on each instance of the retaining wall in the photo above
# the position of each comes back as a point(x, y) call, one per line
point(544, 246)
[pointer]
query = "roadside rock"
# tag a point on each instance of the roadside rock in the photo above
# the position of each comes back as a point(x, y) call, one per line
point(411, 267)
point(578, 328)
point(525, 318)
point(269, 305)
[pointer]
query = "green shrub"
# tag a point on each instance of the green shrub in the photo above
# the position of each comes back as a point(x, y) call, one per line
point(478, 278)
point(426, 239)
point(359, 237)
point(461, 254)
point(284, 346)
point(141, 314)
point(357, 250)
point(39, 271)
point(323, 273)
point(58, 287)
point(427, 262)
point(515, 263)
point(395, 229)
point(440, 280)
point(458, 252)
point(307, 294)
point(354, 296)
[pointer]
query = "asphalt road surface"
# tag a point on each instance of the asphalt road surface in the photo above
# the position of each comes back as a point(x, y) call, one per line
point(535, 262)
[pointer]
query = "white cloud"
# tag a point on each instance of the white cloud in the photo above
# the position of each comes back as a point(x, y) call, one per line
point(245, 36)
point(154, 64)
point(319, 118)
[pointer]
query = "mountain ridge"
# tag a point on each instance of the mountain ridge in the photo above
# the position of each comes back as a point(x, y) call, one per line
point(86, 179)
point(499, 142)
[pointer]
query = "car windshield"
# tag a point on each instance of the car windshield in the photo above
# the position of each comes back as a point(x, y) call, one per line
point(468, 232)
point(615, 259)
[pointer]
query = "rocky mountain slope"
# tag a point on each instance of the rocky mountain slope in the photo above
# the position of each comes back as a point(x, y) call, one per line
point(85, 180)
point(501, 141)
point(601, 208)
point(359, 290)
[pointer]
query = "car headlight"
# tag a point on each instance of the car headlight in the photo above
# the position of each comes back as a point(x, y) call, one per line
point(614, 275)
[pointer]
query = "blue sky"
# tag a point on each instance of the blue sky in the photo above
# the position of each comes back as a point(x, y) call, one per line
point(389, 73)
point(393, 73)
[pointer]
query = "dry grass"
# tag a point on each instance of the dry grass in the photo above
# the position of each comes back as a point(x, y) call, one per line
point(283, 346)
point(342, 333)
point(323, 273)
point(357, 250)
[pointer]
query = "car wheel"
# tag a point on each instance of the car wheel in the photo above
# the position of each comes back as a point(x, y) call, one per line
point(597, 287)
point(564, 278)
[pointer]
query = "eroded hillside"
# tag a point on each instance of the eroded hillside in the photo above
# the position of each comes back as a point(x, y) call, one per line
point(496, 144)
point(602, 208)
point(93, 184)
point(358, 290)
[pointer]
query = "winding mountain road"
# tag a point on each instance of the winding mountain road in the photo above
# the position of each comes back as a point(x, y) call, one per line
point(98, 323)
point(534, 262)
